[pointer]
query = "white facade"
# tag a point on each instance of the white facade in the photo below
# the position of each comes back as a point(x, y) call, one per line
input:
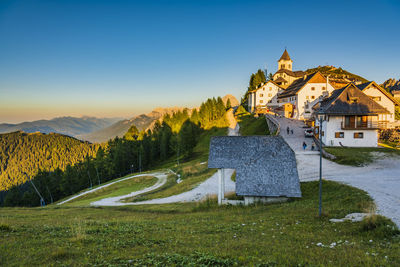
point(382, 100)
point(265, 95)
point(333, 133)
point(307, 97)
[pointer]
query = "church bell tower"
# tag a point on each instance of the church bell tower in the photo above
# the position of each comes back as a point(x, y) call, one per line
point(285, 62)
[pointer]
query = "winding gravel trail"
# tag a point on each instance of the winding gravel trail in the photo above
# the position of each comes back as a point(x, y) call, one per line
point(381, 179)
point(158, 184)
point(115, 201)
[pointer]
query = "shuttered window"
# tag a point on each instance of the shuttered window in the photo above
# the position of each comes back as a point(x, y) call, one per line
point(339, 135)
point(358, 135)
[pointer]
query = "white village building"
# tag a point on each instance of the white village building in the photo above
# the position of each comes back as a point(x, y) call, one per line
point(383, 98)
point(350, 118)
point(265, 95)
point(299, 98)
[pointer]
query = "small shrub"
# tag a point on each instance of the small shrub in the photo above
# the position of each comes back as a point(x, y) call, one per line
point(5, 228)
point(61, 254)
point(208, 202)
point(233, 177)
point(233, 196)
point(381, 226)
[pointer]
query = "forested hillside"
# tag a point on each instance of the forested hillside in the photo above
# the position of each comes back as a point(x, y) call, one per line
point(22, 152)
point(177, 137)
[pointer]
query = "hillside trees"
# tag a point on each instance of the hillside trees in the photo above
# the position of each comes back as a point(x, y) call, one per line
point(22, 153)
point(255, 80)
point(176, 136)
point(132, 133)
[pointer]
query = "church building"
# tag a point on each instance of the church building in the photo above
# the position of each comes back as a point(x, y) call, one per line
point(285, 76)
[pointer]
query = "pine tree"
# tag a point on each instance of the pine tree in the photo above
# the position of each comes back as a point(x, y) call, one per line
point(228, 104)
point(132, 133)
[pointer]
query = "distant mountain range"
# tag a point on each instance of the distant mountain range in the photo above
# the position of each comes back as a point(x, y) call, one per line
point(391, 85)
point(64, 125)
point(96, 130)
point(142, 122)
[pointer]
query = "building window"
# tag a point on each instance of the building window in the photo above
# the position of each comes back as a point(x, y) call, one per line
point(312, 97)
point(353, 100)
point(307, 97)
point(263, 89)
point(289, 66)
point(323, 88)
point(339, 135)
point(359, 135)
point(261, 95)
point(270, 88)
point(283, 66)
point(269, 94)
point(261, 101)
point(312, 88)
point(322, 133)
point(376, 98)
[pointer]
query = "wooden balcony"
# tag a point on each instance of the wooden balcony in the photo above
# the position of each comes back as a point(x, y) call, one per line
point(368, 125)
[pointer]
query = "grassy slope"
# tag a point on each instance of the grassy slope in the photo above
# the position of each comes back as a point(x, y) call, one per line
point(117, 189)
point(193, 171)
point(281, 234)
point(249, 125)
point(355, 156)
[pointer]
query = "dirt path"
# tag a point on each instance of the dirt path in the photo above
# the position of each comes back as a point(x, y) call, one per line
point(106, 185)
point(115, 201)
point(381, 179)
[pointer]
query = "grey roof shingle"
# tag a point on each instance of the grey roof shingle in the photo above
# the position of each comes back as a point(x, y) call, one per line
point(341, 102)
point(265, 165)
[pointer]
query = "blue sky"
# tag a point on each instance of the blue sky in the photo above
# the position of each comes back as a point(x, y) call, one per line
point(121, 58)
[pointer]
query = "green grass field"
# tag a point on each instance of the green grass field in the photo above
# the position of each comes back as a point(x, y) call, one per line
point(359, 156)
point(202, 233)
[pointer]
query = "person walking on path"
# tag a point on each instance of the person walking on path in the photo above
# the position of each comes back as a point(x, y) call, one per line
point(291, 131)
point(288, 130)
point(304, 145)
point(312, 146)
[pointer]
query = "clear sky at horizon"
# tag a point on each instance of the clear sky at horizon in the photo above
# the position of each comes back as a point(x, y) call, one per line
point(123, 58)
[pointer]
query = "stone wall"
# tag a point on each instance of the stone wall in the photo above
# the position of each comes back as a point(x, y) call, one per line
point(273, 124)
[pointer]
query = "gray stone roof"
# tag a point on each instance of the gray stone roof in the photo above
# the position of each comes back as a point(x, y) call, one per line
point(265, 165)
point(350, 101)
